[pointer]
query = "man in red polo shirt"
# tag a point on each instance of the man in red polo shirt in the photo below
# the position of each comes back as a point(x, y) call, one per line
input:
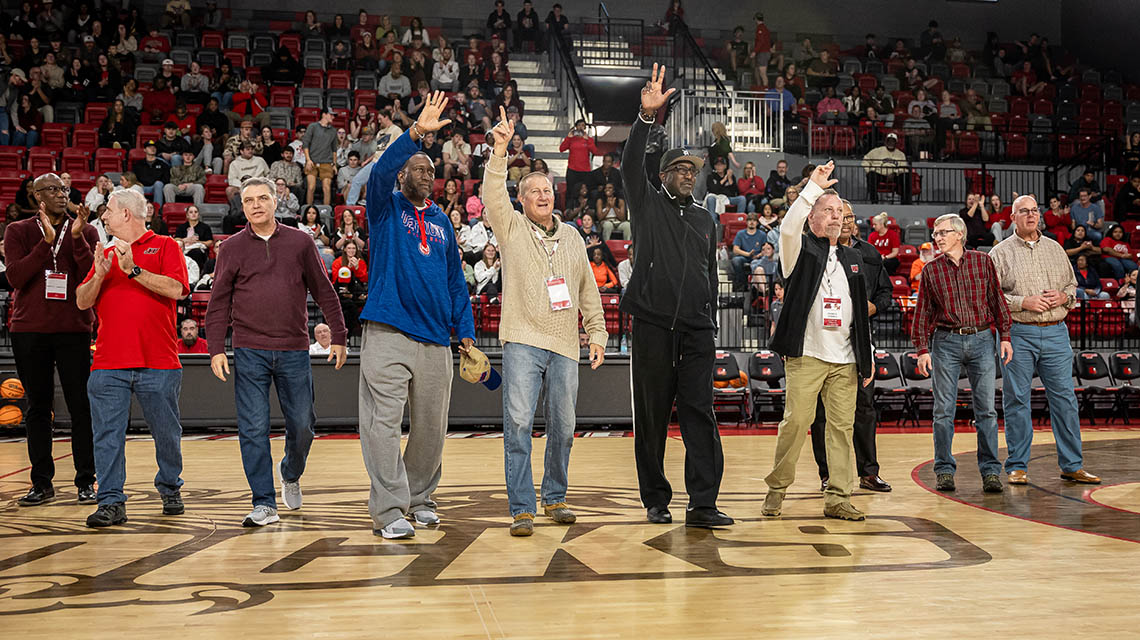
point(47, 255)
point(133, 286)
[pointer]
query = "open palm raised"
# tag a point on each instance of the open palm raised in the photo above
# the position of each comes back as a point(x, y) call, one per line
point(429, 117)
point(652, 97)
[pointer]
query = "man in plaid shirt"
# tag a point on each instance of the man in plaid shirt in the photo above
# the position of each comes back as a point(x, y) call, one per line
point(959, 300)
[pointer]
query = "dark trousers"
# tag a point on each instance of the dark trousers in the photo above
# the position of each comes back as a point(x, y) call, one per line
point(38, 356)
point(863, 436)
point(666, 366)
point(573, 179)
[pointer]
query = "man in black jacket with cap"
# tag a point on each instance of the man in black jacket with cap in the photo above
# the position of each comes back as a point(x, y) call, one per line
point(879, 294)
point(672, 298)
point(824, 335)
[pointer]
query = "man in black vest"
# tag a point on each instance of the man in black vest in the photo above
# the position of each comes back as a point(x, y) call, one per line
point(879, 291)
point(672, 298)
point(825, 337)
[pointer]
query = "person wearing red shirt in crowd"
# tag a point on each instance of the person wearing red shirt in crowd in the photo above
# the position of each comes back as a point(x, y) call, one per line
point(159, 101)
point(155, 43)
point(886, 241)
point(959, 303)
point(1116, 254)
point(751, 186)
point(190, 342)
point(1001, 217)
point(46, 256)
point(1058, 222)
point(761, 51)
point(134, 286)
point(350, 279)
point(249, 104)
point(581, 147)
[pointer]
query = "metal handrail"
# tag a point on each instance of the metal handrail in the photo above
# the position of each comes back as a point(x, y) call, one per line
point(566, 77)
point(686, 40)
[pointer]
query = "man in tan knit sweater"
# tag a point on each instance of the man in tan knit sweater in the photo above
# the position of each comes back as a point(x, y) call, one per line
point(546, 282)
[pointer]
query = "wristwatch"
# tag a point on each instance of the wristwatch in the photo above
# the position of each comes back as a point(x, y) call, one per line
point(134, 273)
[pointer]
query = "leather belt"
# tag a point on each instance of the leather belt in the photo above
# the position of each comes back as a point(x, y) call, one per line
point(1040, 324)
point(965, 331)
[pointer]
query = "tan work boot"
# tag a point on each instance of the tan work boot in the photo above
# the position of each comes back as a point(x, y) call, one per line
point(523, 525)
point(772, 503)
point(843, 511)
point(560, 513)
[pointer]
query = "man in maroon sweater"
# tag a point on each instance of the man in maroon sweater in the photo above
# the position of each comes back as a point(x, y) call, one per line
point(260, 287)
point(47, 256)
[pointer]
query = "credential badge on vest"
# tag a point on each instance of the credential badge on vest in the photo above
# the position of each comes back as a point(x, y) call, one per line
point(854, 268)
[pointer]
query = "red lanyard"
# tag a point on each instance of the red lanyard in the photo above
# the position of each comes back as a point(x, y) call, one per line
point(420, 215)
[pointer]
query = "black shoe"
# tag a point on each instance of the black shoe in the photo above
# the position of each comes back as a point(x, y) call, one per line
point(659, 515)
point(107, 515)
point(37, 496)
point(945, 482)
point(991, 483)
point(823, 484)
point(172, 504)
point(87, 495)
point(874, 483)
point(707, 517)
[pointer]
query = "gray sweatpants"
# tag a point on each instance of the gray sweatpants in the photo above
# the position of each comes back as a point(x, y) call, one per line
point(396, 370)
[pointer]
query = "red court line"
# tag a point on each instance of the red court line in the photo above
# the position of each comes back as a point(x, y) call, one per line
point(1089, 492)
point(29, 467)
point(914, 477)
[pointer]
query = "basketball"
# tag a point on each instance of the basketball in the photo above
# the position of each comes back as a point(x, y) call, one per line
point(10, 414)
point(12, 388)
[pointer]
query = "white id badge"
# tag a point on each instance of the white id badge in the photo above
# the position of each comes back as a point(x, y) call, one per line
point(559, 293)
point(832, 313)
point(55, 285)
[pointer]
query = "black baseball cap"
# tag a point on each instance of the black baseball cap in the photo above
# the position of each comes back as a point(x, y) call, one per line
point(673, 156)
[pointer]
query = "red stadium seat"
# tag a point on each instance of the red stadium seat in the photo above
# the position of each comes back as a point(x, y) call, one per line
point(1016, 147)
point(969, 145)
point(213, 39)
point(900, 286)
point(85, 136)
point(109, 160)
point(216, 189)
point(96, 112)
point(281, 97)
point(314, 79)
point(366, 97)
point(304, 116)
point(844, 140)
point(357, 213)
point(42, 160)
point(907, 255)
point(174, 214)
point(619, 248)
point(147, 132)
point(237, 57)
point(340, 79)
point(12, 158)
point(55, 135)
point(74, 159)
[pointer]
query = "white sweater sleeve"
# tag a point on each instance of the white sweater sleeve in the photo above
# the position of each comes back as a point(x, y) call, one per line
point(791, 228)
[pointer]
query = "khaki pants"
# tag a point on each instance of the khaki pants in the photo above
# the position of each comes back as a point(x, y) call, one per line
point(808, 378)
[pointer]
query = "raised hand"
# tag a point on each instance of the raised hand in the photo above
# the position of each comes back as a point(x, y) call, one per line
point(80, 222)
point(45, 224)
point(429, 116)
point(822, 174)
point(502, 133)
point(126, 258)
point(652, 98)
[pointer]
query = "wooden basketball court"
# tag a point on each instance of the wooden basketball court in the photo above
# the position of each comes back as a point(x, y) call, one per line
point(1049, 560)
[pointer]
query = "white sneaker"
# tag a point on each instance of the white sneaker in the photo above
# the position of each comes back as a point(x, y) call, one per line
point(260, 516)
point(398, 529)
point(426, 517)
point(290, 491)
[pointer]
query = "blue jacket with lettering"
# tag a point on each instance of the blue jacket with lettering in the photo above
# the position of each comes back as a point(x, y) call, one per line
point(414, 287)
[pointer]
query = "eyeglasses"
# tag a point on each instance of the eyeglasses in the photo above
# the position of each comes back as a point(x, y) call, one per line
point(684, 171)
point(848, 218)
point(63, 191)
point(943, 232)
point(1028, 211)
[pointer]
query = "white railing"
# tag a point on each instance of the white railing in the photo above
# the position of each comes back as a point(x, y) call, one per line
point(754, 119)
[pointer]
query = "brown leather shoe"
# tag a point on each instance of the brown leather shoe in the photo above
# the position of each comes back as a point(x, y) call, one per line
point(1081, 476)
point(1018, 476)
point(874, 483)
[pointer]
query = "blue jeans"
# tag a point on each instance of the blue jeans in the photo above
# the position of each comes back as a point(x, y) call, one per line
point(525, 370)
point(1092, 234)
point(741, 268)
point(358, 182)
point(1046, 349)
point(1120, 266)
point(155, 191)
point(949, 352)
point(225, 100)
point(157, 390)
point(740, 202)
point(1081, 295)
point(290, 371)
point(29, 139)
point(5, 127)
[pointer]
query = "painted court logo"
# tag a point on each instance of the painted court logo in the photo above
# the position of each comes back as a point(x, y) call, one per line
point(206, 558)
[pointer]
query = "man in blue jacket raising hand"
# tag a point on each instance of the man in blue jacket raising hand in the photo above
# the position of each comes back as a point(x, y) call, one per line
point(416, 297)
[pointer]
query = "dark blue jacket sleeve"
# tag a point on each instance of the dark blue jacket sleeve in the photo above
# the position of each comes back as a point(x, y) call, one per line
point(461, 318)
point(383, 176)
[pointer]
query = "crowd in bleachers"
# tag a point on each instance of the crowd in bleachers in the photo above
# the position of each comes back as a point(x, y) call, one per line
point(1019, 100)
